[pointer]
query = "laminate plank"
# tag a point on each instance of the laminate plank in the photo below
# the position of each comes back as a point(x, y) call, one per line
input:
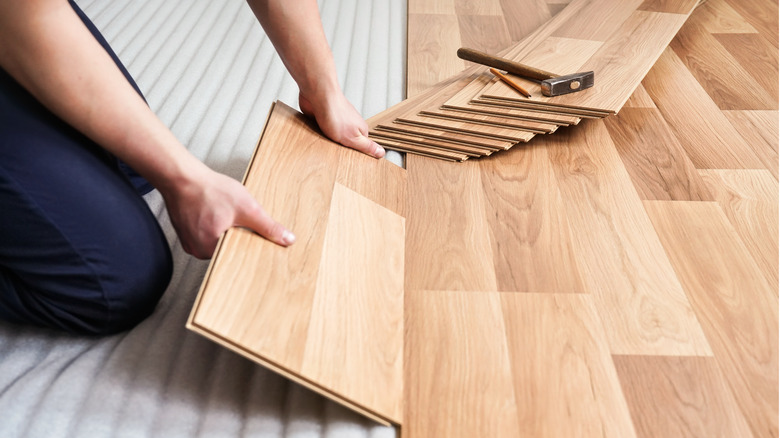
point(536, 364)
point(758, 57)
point(564, 379)
point(428, 151)
point(463, 100)
point(760, 131)
point(670, 6)
point(717, 16)
point(556, 8)
point(625, 59)
point(524, 16)
point(419, 140)
point(486, 33)
point(457, 370)
point(642, 305)
point(680, 397)
point(448, 238)
point(727, 82)
point(479, 7)
point(446, 136)
point(483, 119)
point(530, 233)
point(596, 21)
point(274, 314)
point(750, 201)
point(655, 160)
point(367, 368)
point(437, 38)
point(513, 116)
point(760, 14)
point(446, 7)
point(702, 129)
point(734, 303)
point(639, 99)
point(495, 132)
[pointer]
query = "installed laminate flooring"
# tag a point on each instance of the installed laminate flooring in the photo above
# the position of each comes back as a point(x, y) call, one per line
point(645, 242)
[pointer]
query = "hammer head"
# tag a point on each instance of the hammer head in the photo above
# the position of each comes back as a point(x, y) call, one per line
point(567, 83)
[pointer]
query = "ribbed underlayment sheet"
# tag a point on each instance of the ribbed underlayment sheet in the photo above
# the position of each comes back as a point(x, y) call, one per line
point(210, 73)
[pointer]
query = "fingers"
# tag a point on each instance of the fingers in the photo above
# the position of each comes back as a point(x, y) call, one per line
point(366, 145)
point(255, 218)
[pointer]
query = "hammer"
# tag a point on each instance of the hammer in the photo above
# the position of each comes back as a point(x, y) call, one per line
point(552, 84)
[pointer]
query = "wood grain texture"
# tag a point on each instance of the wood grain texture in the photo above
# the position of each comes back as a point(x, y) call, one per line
point(735, 305)
point(717, 16)
point(354, 343)
point(440, 39)
point(537, 363)
point(760, 131)
point(280, 313)
point(680, 397)
point(445, 136)
point(524, 16)
point(491, 121)
point(596, 20)
point(749, 200)
point(640, 99)
point(726, 81)
point(657, 164)
point(494, 132)
point(641, 302)
point(530, 232)
point(449, 245)
point(486, 33)
point(697, 122)
point(760, 14)
point(757, 56)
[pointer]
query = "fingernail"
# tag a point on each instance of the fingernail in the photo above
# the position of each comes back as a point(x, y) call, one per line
point(288, 238)
point(379, 152)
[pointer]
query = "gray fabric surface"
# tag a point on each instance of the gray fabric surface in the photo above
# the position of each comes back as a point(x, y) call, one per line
point(210, 74)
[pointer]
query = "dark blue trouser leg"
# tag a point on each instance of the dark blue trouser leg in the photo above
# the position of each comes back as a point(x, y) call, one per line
point(80, 250)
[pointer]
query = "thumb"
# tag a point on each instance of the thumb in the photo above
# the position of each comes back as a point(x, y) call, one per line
point(258, 220)
point(364, 144)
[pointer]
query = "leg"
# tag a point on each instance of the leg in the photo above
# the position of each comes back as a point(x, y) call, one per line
point(79, 249)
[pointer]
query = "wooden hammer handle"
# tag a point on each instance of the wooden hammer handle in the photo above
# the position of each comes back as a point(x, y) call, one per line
point(504, 64)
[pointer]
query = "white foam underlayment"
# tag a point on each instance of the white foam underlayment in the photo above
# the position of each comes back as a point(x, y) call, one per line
point(210, 73)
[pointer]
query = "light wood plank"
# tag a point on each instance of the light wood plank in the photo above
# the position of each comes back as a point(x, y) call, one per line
point(657, 164)
point(639, 99)
point(760, 131)
point(491, 121)
point(530, 233)
point(486, 33)
point(266, 302)
point(703, 131)
point(564, 379)
point(445, 136)
point(760, 14)
point(758, 57)
point(750, 201)
point(494, 132)
point(717, 16)
point(448, 238)
point(433, 59)
point(508, 364)
point(597, 21)
point(729, 84)
point(640, 301)
point(457, 370)
point(670, 6)
point(734, 303)
point(524, 16)
point(679, 397)
point(355, 338)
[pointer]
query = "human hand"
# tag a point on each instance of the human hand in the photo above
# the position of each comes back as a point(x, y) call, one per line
point(340, 122)
point(209, 203)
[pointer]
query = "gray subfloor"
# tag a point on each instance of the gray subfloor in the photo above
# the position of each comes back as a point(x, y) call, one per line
point(208, 71)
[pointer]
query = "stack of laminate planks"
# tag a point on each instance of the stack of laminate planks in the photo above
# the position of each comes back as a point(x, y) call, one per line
point(619, 41)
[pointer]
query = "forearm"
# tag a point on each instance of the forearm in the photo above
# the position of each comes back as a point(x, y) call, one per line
point(48, 50)
point(295, 28)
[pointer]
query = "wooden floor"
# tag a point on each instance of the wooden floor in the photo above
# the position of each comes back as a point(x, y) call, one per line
point(616, 278)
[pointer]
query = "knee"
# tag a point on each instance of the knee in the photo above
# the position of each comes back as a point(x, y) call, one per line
point(132, 286)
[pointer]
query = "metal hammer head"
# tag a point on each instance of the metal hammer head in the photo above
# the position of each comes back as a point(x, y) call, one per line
point(567, 83)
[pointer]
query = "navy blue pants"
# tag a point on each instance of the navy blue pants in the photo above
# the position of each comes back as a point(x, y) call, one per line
point(80, 251)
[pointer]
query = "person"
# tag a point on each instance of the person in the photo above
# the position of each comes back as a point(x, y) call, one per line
point(80, 251)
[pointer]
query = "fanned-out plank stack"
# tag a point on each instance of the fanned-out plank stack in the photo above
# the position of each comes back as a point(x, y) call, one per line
point(475, 117)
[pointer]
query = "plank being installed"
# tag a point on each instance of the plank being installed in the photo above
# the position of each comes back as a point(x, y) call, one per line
point(328, 313)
